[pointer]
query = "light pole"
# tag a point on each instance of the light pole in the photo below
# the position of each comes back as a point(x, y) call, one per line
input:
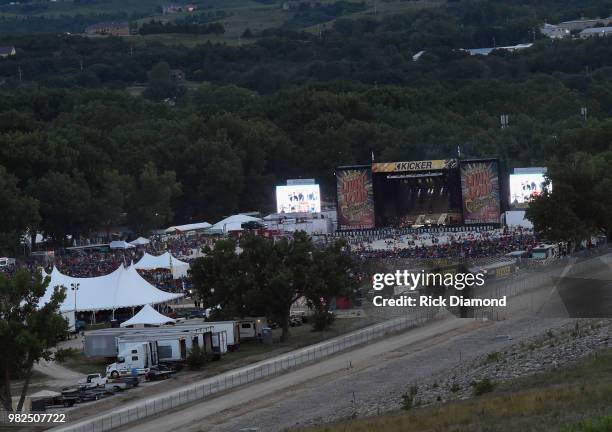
point(75, 287)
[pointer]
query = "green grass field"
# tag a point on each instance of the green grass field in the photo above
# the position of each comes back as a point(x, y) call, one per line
point(573, 399)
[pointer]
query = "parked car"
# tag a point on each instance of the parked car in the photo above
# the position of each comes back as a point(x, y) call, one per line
point(92, 381)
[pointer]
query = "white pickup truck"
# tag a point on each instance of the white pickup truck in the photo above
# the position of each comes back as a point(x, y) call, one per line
point(92, 381)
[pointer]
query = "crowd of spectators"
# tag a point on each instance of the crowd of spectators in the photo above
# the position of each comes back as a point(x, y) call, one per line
point(441, 243)
point(384, 243)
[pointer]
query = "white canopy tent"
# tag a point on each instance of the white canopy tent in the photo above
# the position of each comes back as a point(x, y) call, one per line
point(189, 227)
point(147, 316)
point(140, 241)
point(120, 244)
point(122, 288)
point(166, 261)
point(234, 223)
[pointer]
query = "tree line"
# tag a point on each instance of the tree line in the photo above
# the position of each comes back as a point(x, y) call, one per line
point(79, 153)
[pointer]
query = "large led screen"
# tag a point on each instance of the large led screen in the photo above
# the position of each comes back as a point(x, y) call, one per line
point(298, 199)
point(525, 187)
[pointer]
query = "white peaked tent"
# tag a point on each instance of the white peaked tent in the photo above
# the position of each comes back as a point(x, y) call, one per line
point(120, 244)
point(166, 261)
point(147, 316)
point(140, 241)
point(234, 223)
point(119, 289)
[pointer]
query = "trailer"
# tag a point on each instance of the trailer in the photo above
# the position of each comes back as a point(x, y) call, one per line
point(103, 342)
point(172, 347)
point(219, 344)
point(232, 332)
point(250, 328)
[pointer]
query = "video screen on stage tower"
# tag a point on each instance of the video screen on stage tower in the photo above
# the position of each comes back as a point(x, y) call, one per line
point(525, 186)
point(480, 192)
point(355, 198)
point(298, 198)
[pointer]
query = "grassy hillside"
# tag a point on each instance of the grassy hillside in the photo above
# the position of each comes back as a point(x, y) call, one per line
point(73, 16)
point(574, 399)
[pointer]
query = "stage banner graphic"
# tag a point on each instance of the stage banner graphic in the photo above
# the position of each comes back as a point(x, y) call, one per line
point(480, 191)
point(355, 198)
point(427, 165)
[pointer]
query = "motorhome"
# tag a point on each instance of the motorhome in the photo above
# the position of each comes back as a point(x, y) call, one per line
point(135, 358)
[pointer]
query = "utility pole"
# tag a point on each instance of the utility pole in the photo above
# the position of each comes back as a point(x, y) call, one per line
point(19, 70)
point(81, 64)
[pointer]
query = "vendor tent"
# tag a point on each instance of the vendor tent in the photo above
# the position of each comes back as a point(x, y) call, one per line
point(147, 316)
point(189, 227)
point(120, 244)
point(165, 261)
point(233, 223)
point(140, 241)
point(120, 289)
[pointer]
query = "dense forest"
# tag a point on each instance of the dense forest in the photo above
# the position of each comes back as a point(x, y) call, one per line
point(78, 152)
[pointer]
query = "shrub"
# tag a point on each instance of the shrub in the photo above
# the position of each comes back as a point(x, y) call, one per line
point(196, 358)
point(455, 388)
point(322, 320)
point(494, 357)
point(407, 400)
point(603, 424)
point(63, 354)
point(483, 386)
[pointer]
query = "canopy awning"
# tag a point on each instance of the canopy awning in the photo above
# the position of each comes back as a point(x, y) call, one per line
point(189, 227)
point(148, 316)
point(120, 244)
point(140, 241)
point(234, 223)
point(165, 261)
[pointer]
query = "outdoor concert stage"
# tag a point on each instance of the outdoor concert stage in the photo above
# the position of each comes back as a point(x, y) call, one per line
point(413, 194)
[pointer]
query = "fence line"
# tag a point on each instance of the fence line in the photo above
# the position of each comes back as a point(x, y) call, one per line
point(266, 368)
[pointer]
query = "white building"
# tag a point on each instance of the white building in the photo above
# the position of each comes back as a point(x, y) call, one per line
point(554, 31)
point(596, 31)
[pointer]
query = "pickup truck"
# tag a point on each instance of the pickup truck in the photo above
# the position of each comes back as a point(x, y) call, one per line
point(93, 380)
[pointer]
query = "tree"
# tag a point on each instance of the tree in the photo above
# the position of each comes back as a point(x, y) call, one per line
point(19, 213)
point(267, 277)
point(150, 202)
point(160, 83)
point(27, 331)
point(65, 204)
point(580, 203)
